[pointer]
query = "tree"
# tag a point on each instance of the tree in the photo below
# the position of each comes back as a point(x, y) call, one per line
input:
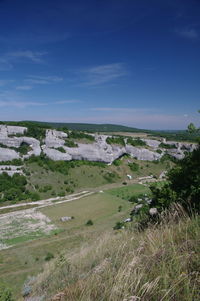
point(192, 128)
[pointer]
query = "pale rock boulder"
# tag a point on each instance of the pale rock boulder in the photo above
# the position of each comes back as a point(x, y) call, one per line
point(55, 155)
point(55, 138)
point(94, 152)
point(7, 154)
point(152, 143)
point(6, 130)
point(142, 153)
point(34, 144)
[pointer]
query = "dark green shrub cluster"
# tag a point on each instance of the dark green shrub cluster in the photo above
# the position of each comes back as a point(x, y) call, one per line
point(17, 162)
point(167, 146)
point(134, 166)
point(115, 140)
point(46, 188)
point(183, 184)
point(14, 188)
point(136, 142)
point(118, 226)
point(89, 223)
point(5, 293)
point(80, 135)
point(70, 143)
point(110, 177)
point(49, 256)
point(61, 166)
point(24, 148)
point(117, 162)
point(61, 149)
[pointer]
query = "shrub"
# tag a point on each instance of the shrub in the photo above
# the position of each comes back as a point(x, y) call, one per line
point(61, 149)
point(70, 143)
point(118, 226)
point(89, 223)
point(115, 140)
point(49, 256)
point(136, 142)
point(5, 293)
point(133, 166)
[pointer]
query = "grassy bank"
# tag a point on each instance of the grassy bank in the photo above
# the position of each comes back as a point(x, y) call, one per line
point(161, 263)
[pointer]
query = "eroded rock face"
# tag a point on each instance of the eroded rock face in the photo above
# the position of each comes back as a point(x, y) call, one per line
point(54, 138)
point(99, 150)
point(6, 130)
point(7, 154)
point(15, 142)
point(142, 153)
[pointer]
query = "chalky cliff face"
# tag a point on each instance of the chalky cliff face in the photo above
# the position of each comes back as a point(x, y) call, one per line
point(54, 147)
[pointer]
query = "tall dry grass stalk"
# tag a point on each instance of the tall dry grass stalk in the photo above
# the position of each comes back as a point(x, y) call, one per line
point(160, 264)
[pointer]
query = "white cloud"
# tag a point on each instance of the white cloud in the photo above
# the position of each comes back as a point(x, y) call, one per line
point(67, 101)
point(43, 80)
point(120, 109)
point(4, 82)
point(5, 65)
point(102, 74)
point(34, 56)
point(20, 104)
point(188, 33)
point(24, 88)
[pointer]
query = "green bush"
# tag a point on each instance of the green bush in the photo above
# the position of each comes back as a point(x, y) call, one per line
point(183, 184)
point(5, 293)
point(61, 149)
point(70, 143)
point(89, 223)
point(80, 135)
point(134, 166)
point(49, 256)
point(136, 142)
point(115, 140)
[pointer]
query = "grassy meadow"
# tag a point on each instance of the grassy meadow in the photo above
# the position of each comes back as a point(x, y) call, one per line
point(27, 258)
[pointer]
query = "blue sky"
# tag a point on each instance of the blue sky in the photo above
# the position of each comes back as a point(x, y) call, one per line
point(130, 62)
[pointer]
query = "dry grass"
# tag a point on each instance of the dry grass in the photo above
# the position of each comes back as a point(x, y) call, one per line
point(159, 264)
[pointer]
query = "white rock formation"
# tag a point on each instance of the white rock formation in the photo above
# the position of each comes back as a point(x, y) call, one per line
point(54, 138)
point(6, 130)
point(152, 143)
point(142, 153)
point(97, 151)
point(7, 154)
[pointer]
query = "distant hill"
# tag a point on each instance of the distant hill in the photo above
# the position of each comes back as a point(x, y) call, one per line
point(97, 127)
point(177, 135)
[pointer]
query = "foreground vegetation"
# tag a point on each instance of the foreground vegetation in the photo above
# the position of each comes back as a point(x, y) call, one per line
point(161, 263)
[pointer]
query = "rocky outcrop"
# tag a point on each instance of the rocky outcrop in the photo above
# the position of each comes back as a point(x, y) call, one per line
point(15, 142)
point(142, 153)
point(55, 138)
point(99, 150)
point(7, 154)
point(11, 169)
point(6, 130)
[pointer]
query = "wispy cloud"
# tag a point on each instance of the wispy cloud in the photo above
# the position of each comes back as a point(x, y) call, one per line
point(5, 64)
point(8, 59)
point(24, 88)
point(188, 33)
point(33, 56)
point(4, 82)
point(102, 74)
point(20, 104)
point(61, 102)
point(122, 109)
point(43, 80)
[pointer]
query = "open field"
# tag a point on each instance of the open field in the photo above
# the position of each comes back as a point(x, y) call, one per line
point(28, 257)
point(86, 177)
